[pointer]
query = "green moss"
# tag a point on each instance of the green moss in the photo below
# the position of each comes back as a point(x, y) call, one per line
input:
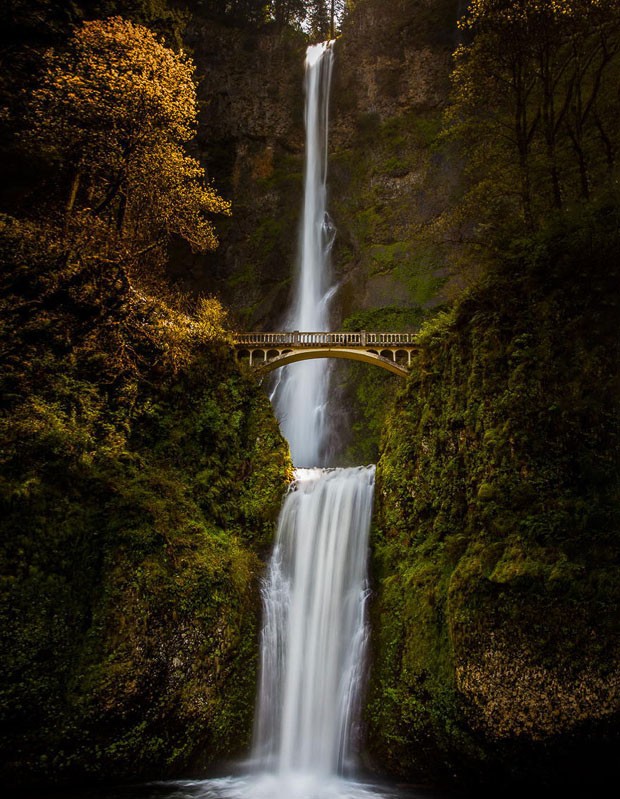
point(382, 189)
point(140, 480)
point(498, 522)
point(369, 391)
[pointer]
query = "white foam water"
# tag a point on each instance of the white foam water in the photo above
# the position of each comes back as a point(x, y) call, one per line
point(315, 633)
point(302, 389)
point(272, 786)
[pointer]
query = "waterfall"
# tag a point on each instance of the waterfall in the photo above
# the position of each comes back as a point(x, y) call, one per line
point(314, 595)
point(301, 393)
point(315, 632)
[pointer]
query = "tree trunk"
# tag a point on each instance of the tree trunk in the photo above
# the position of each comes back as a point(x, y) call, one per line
point(122, 210)
point(522, 136)
point(581, 161)
point(75, 187)
point(610, 153)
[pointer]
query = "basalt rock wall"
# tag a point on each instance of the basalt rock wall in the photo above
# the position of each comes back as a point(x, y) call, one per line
point(387, 182)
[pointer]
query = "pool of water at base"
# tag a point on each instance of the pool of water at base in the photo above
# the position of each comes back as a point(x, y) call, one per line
point(261, 786)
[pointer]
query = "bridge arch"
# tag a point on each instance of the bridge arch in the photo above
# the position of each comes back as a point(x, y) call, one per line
point(265, 351)
point(308, 353)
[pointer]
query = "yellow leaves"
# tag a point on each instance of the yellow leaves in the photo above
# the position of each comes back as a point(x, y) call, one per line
point(210, 319)
point(170, 187)
point(529, 12)
point(115, 74)
point(181, 332)
point(118, 106)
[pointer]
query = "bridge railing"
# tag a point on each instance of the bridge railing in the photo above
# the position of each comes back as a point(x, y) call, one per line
point(307, 339)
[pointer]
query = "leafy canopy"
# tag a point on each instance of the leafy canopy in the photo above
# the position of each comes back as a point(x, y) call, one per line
point(117, 108)
point(535, 105)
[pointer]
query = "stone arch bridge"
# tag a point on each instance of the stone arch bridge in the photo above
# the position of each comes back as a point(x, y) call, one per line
point(265, 352)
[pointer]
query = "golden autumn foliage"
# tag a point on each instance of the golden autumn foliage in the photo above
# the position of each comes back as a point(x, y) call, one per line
point(117, 107)
point(46, 287)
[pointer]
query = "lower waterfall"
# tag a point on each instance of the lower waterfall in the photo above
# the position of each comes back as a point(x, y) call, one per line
point(313, 642)
point(315, 632)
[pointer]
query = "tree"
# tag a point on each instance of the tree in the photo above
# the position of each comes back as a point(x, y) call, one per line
point(287, 12)
point(117, 108)
point(528, 91)
point(324, 17)
point(320, 18)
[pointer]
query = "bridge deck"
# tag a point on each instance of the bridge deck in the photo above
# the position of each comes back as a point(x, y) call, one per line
point(327, 339)
point(268, 351)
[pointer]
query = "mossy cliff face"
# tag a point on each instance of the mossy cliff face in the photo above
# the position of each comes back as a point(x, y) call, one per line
point(251, 135)
point(388, 178)
point(141, 477)
point(497, 645)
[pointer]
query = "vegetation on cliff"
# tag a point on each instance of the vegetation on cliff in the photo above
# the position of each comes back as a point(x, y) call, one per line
point(535, 107)
point(496, 551)
point(320, 17)
point(141, 472)
point(141, 475)
point(115, 109)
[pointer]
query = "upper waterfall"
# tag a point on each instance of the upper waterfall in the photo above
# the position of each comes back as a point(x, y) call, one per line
point(300, 396)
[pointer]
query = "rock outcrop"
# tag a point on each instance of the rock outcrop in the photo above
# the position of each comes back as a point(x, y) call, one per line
point(497, 645)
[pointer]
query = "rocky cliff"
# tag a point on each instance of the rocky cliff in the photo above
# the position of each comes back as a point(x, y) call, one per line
point(388, 180)
point(251, 138)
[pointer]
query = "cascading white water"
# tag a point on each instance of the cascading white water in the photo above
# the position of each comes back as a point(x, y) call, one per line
point(301, 393)
point(314, 632)
point(314, 595)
